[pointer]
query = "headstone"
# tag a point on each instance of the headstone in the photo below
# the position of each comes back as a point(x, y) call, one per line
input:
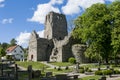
point(36, 74)
point(61, 77)
point(48, 74)
point(16, 72)
point(30, 72)
point(77, 68)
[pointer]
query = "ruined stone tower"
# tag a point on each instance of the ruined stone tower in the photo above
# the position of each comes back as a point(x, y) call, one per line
point(55, 26)
point(56, 44)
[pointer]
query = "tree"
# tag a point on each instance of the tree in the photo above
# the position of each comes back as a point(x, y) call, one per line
point(13, 42)
point(4, 45)
point(115, 14)
point(2, 52)
point(94, 28)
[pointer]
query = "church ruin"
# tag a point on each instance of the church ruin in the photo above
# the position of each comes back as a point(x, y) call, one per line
point(56, 44)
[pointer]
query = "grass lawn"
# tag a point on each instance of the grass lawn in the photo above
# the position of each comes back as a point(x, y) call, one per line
point(92, 65)
point(118, 79)
point(24, 76)
point(96, 77)
point(55, 71)
point(35, 65)
point(61, 63)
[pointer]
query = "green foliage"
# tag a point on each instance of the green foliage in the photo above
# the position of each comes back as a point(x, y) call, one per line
point(99, 27)
point(2, 52)
point(107, 72)
point(59, 68)
point(66, 68)
point(61, 64)
point(104, 72)
point(116, 72)
point(89, 70)
point(72, 60)
point(96, 77)
point(81, 70)
point(13, 42)
point(35, 65)
point(99, 72)
point(115, 10)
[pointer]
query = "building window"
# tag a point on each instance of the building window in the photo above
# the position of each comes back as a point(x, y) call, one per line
point(15, 51)
point(20, 51)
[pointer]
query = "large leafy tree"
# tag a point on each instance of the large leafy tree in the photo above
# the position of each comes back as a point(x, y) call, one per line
point(115, 13)
point(94, 28)
point(2, 52)
point(13, 42)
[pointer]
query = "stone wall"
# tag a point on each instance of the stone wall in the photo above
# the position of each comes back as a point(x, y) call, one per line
point(78, 52)
point(55, 26)
point(32, 52)
point(62, 50)
point(57, 45)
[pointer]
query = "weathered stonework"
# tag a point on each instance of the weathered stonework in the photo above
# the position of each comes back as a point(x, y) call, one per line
point(55, 26)
point(56, 44)
point(78, 52)
point(62, 50)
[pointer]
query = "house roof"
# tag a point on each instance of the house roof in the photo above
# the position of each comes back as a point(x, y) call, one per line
point(10, 49)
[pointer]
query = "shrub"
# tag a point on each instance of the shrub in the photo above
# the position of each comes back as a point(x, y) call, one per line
point(89, 70)
point(99, 72)
point(66, 68)
point(54, 67)
point(9, 57)
point(81, 67)
point(82, 71)
point(86, 68)
point(107, 72)
point(72, 60)
point(116, 72)
point(59, 68)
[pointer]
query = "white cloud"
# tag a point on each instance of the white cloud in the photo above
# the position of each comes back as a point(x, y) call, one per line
point(6, 21)
point(76, 6)
point(43, 10)
point(41, 33)
point(56, 2)
point(24, 37)
point(1, 3)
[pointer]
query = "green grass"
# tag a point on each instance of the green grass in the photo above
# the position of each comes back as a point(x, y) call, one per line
point(118, 79)
point(93, 65)
point(55, 71)
point(61, 63)
point(96, 77)
point(35, 65)
point(24, 76)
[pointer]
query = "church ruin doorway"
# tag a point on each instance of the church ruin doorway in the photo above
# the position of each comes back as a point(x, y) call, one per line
point(31, 57)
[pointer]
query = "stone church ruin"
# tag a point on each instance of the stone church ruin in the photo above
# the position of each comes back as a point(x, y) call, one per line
point(56, 46)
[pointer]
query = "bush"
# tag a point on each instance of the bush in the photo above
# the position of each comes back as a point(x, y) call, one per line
point(82, 71)
point(107, 72)
point(72, 60)
point(66, 68)
point(81, 67)
point(116, 72)
point(54, 67)
point(9, 57)
point(89, 70)
point(86, 68)
point(99, 72)
point(59, 68)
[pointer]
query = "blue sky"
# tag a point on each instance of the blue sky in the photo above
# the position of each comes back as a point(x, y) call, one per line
point(18, 18)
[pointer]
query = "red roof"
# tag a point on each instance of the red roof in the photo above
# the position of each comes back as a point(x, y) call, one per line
point(10, 49)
